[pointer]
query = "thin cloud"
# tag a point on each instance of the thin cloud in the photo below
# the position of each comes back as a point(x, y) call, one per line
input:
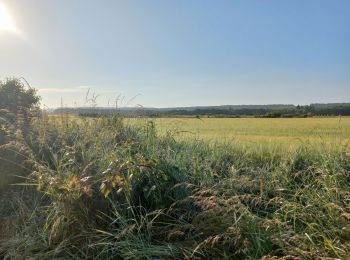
point(79, 89)
point(57, 90)
point(83, 87)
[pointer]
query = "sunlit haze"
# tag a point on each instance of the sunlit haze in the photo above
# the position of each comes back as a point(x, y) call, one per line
point(6, 23)
point(179, 53)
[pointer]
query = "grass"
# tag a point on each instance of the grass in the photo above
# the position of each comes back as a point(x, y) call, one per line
point(104, 188)
point(283, 132)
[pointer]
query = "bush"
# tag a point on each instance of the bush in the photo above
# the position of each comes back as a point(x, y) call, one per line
point(16, 97)
point(17, 103)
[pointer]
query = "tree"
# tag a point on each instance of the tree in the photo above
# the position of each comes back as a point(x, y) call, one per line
point(17, 96)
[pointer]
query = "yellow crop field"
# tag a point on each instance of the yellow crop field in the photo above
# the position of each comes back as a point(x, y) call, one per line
point(285, 132)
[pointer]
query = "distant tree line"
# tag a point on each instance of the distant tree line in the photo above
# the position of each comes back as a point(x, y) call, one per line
point(270, 111)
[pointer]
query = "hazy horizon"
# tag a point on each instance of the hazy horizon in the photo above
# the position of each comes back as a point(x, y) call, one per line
point(179, 53)
point(177, 107)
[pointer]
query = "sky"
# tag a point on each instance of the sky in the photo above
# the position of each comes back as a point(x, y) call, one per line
point(169, 53)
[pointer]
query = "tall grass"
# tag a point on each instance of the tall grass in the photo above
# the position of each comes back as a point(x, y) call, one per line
point(108, 190)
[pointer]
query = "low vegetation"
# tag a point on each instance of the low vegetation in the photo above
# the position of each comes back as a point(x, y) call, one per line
point(101, 188)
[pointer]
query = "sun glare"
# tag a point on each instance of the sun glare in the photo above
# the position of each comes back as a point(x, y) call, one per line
point(6, 22)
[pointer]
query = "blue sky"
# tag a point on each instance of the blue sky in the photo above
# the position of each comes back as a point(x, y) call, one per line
point(180, 53)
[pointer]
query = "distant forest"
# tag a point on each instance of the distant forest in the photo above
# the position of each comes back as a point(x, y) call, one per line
point(331, 109)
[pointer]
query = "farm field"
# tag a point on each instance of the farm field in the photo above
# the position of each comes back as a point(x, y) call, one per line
point(280, 132)
point(112, 187)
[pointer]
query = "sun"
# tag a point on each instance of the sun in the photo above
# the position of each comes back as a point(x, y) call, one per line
point(6, 22)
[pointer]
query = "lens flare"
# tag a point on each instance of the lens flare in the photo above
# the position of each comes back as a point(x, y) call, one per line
point(6, 21)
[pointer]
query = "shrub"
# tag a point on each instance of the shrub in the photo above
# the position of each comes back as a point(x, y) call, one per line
point(17, 104)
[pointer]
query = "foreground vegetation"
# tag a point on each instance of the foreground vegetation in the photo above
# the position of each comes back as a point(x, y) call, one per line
point(100, 188)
